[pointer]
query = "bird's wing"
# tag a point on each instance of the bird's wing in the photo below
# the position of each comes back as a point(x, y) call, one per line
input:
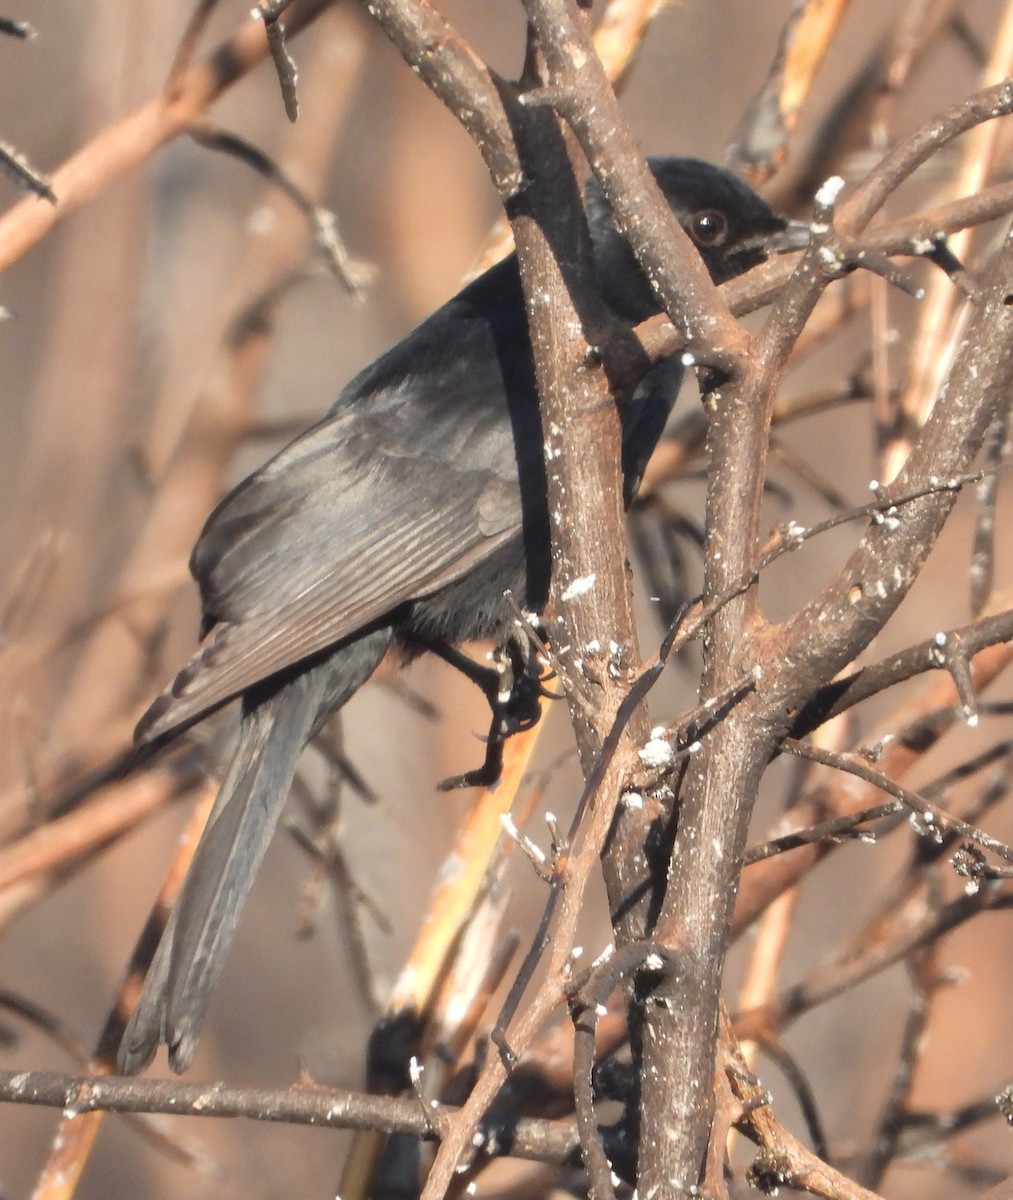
point(383, 501)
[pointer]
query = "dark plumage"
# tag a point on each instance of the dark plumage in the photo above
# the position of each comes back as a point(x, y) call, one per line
point(400, 519)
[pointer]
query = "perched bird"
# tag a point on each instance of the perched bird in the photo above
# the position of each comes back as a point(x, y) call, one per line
point(398, 520)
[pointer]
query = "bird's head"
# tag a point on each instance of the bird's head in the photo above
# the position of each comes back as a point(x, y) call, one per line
point(729, 224)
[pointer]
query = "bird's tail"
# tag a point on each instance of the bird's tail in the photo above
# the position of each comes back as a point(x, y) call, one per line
point(274, 728)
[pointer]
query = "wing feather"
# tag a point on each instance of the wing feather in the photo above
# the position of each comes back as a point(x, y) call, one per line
point(408, 482)
point(303, 558)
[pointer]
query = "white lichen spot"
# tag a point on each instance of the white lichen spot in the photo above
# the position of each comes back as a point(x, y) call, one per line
point(657, 752)
point(925, 825)
point(579, 586)
point(829, 190)
point(605, 955)
point(937, 651)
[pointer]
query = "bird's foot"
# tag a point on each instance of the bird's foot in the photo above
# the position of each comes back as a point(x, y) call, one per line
point(514, 691)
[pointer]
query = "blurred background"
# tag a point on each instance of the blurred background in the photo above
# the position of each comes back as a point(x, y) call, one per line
point(137, 387)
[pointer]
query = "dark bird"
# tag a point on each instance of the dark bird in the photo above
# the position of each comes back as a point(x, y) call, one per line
point(399, 520)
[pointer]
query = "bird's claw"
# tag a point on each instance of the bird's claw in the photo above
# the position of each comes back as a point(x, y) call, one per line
point(515, 709)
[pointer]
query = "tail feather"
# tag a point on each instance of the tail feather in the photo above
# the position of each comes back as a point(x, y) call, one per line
point(273, 731)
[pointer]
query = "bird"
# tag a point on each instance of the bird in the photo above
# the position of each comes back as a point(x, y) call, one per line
point(405, 518)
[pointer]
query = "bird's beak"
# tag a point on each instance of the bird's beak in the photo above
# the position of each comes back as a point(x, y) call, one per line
point(790, 235)
point(795, 235)
point(779, 237)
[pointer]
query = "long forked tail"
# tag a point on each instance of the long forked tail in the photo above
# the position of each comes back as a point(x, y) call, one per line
point(273, 731)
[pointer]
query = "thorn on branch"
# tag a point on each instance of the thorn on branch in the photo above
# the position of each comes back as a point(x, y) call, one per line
point(18, 29)
point(722, 364)
point(434, 1118)
point(509, 1058)
point(17, 167)
point(355, 273)
point(269, 11)
point(883, 266)
point(534, 853)
point(561, 99)
point(947, 652)
point(940, 255)
point(669, 745)
point(560, 843)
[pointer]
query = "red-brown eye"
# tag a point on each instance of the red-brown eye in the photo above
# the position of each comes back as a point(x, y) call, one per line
point(707, 228)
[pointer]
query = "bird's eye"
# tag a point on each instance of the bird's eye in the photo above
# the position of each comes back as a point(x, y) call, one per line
point(707, 228)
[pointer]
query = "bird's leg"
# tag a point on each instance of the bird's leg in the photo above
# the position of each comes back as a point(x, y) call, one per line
point(513, 687)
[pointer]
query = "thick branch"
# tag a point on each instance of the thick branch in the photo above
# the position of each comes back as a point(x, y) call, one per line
point(581, 93)
point(839, 623)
